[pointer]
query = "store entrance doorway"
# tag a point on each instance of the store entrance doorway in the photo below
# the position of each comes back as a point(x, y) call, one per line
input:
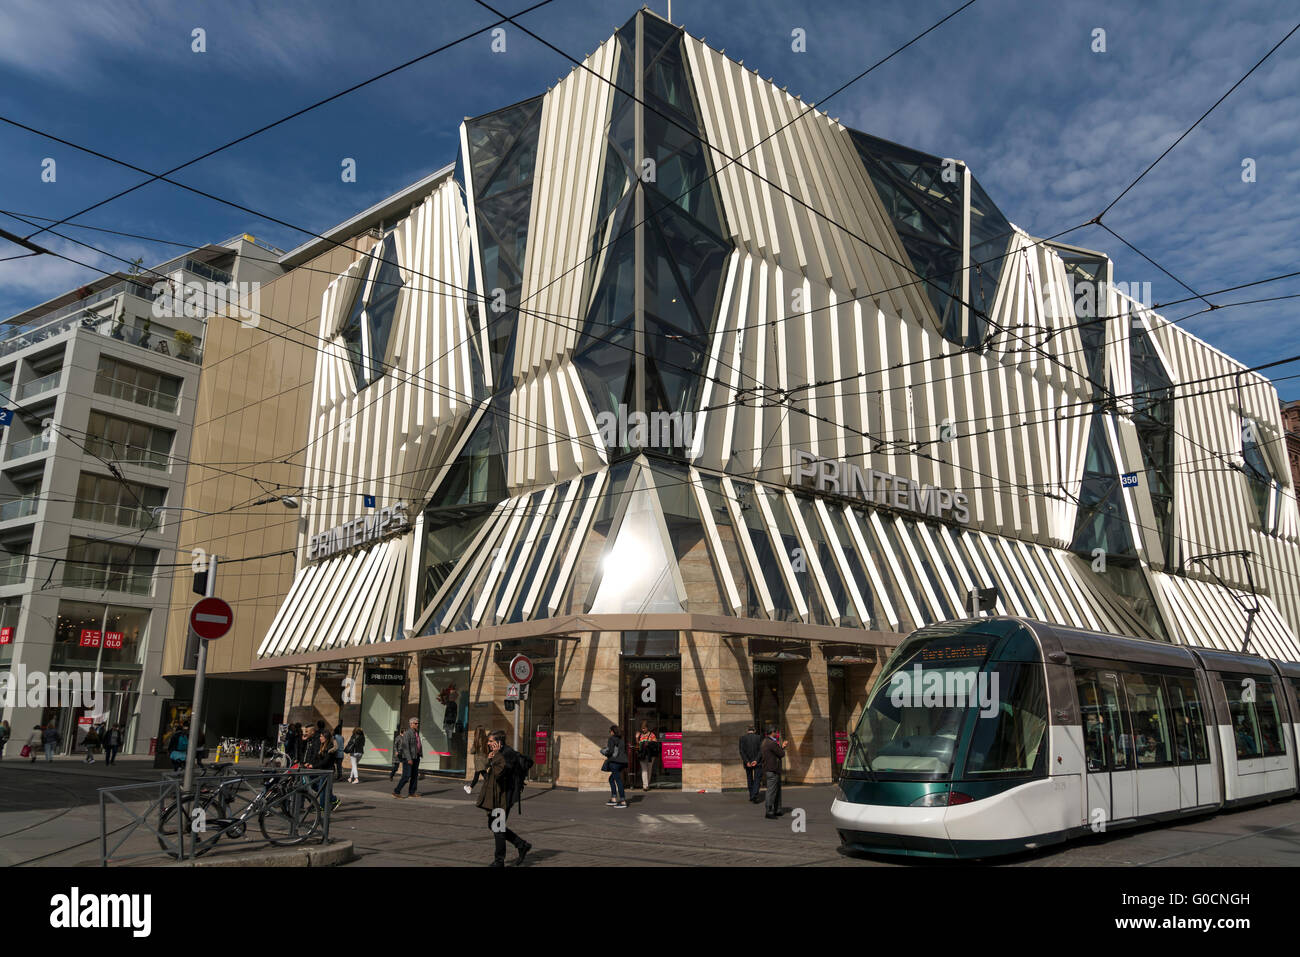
point(651, 692)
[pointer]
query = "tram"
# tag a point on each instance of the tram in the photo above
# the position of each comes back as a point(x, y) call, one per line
point(999, 735)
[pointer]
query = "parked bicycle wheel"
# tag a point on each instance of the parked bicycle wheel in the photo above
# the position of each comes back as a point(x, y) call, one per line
point(175, 816)
point(291, 818)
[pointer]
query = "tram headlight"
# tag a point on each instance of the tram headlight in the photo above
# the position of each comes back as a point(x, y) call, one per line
point(942, 799)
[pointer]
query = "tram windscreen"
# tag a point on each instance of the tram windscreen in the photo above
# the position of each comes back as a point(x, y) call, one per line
point(913, 720)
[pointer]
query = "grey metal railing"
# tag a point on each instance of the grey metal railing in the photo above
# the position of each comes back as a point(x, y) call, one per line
point(224, 811)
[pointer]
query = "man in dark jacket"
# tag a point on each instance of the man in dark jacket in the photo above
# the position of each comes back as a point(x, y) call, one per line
point(409, 752)
point(751, 749)
point(317, 755)
point(773, 754)
point(495, 798)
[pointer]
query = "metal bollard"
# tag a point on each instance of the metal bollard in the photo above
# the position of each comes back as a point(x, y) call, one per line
point(236, 754)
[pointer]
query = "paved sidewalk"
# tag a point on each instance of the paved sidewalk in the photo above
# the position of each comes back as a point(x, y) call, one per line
point(443, 827)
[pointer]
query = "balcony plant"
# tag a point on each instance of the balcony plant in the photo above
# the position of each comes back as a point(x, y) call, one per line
point(184, 343)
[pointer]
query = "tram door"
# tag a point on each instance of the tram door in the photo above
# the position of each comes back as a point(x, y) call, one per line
point(1111, 779)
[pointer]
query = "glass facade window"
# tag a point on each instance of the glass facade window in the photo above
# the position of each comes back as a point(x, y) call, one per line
point(1102, 521)
point(1153, 418)
point(112, 566)
point(78, 641)
point(839, 593)
point(116, 502)
point(127, 442)
point(122, 380)
point(1263, 486)
point(381, 715)
point(878, 620)
point(444, 709)
point(369, 324)
point(1087, 277)
point(768, 563)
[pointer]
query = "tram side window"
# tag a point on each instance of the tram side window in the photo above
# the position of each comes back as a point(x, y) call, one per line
point(1256, 720)
point(1189, 721)
point(1150, 743)
point(1101, 723)
point(1008, 739)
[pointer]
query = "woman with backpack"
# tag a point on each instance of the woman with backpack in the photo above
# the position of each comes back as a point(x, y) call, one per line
point(615, 752)
point(647, 752)
point(355, 747)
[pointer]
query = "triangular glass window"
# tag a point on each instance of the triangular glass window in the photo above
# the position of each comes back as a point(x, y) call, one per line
point(1153, 416)
point(639, 573)
point(1102, 521)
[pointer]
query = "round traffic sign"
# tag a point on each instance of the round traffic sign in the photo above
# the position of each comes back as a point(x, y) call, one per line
point(211, 618)
point(521, 669)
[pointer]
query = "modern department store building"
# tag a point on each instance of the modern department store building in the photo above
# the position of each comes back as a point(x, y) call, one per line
point(694, 435)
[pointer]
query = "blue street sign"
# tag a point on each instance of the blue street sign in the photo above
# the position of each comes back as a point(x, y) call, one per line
point(369, 500)
point(6, 416)
point(1129, 480)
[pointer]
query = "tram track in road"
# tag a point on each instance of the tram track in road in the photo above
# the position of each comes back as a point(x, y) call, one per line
point(1293, 825)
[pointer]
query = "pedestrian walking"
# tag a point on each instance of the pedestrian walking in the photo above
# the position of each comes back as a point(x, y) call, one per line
point(51, 739)
point(773, 754)
point(480, 752)
point(339, 745)
point(615, 752)
point(501, 785)
point(112, 743)
point(91, 744)
point(397, 748)
point(178, 747)
point(409, 752)
point(751, 750)
point(4, 737)
point(647, 752)
point(34, 742)
point(355, 747)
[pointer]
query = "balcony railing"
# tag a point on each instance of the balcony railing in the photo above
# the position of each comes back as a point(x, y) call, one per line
point(78, 575)
point(19, 507)
point(159, 341)
point(115, 388)
point(126, 516)
point(37, 386)
point(37, 443)
point(13, 570)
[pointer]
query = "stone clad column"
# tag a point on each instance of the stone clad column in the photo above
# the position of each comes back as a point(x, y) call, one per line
point(586, 704)
point(703, 712)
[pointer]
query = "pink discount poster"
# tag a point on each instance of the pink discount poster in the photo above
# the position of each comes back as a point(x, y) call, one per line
point(539, 747)
point(671, 751)
point(841, 746)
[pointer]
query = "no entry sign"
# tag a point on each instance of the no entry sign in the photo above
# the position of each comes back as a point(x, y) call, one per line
point(211, 618)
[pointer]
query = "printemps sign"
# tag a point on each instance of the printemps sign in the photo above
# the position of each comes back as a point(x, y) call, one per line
point(368, 528)
point(880, 488)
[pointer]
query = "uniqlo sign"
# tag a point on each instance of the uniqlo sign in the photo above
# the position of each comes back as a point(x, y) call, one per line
point(90, 638)
point(7, 635)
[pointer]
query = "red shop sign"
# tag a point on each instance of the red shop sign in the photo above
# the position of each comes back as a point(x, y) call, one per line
point(670, 752)
point(7, 635)
point(113, 639)
point(841, 746)
point(89, 638)
point(540, 744)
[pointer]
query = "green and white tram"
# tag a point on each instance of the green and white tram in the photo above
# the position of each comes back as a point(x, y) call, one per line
point(997, 735)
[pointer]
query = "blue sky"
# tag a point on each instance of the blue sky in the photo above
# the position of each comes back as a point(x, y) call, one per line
point(1052, 129)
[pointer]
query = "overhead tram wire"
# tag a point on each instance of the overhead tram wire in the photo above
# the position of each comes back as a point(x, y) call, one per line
point(906, 447)
point(153, 178)
point(727, 385)
point(1188, 131)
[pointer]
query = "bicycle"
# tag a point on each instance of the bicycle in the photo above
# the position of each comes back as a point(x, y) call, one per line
point(287, 807)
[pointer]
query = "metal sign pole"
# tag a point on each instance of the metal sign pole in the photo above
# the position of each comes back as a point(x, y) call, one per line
point(200, 673)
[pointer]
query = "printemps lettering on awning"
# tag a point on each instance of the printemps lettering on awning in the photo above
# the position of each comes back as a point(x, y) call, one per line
point(880, 488)
point(359, 531)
